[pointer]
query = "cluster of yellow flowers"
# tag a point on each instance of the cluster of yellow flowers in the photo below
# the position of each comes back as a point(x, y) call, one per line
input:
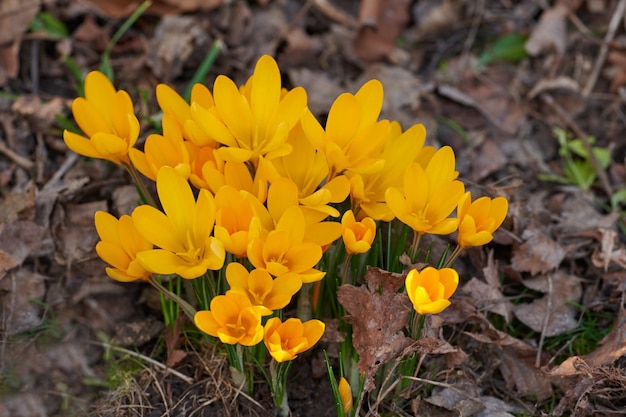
point(268, 176)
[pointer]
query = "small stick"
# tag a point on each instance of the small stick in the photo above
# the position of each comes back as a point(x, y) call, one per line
point(18, 159)
point(610, 34)
point(564, 115)
point(546, 321)
point(174, 372)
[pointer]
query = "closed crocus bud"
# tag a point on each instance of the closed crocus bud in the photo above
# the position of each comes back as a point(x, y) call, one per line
point(357, 236)
point(345, 393)
point(430, 289)
point(479, 219)
point(106, 117)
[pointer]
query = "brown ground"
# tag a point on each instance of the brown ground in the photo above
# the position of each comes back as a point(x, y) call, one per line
point(524, 332)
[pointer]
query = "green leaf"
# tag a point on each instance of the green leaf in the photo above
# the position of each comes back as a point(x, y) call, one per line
point(50, 25)
point(618, 198)
point(509, 47)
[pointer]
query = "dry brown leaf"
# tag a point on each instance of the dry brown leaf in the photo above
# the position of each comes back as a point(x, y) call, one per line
point(603, 258)
point(18, 292)
point(488, 159)
point(489, 298)
point(538, 254)
point(435, 16)
point(421, 407)
point(15, 17)
point(517, 360)
point(39, 115)
point(321, 89)
point(17, 241)
point(114, 8)
point(380, 24)
point(9, 62)
point(18, 205)
point(579, 214)
point(554, 307)
point(137, 332)
point(173, 42)
point(613, 347)
point(550, 33)
point(300, 49)
point(461, 397)
point(378, 313)
point(76, 233)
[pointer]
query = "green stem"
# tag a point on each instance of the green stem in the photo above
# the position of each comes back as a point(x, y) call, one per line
point(278, 376)
point(184, 305)
point(144, 194)
point(204, 67)
point(455, 254)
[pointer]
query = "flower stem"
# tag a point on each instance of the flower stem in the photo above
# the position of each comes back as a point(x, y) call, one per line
point(278, 383)
point(455, 254)
point(184, 305)
point(144, 194)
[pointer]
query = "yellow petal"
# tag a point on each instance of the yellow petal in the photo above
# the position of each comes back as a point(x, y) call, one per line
point(88, 118)
point(212, 126)
point(160, 261)
point(265, 93)
point(172, 103)
point(233, 109)
point(345, 107)
point(80, 145)
point(370, 98)
point(204, 321)
point(100, 91)
point(237, 276)
point(158, 229)
point(176, 198)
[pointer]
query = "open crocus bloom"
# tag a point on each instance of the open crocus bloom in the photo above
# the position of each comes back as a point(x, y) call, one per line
point(182, 232)
point(284, 341)
point(430, 289)
point(232, 319)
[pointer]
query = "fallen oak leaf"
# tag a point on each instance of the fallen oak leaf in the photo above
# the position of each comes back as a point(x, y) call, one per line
point(378, 313)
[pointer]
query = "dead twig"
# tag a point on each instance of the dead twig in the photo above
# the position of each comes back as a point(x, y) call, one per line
point(569, 121)
point(18, 159)
point(151, 361)
point(610, 34)
point(546, 321)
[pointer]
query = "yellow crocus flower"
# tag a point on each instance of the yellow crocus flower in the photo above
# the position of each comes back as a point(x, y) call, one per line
point(182, 231)
point(367, 190)
point(174, 106)
point(308, 170)
point(236, 222)
point(345, 393)
point(357, 236)
point(119, 244)
point(284, 341)
point(479, 219)
point(264, 292)
point(231, 318)
point(168, 149)
point(353, 138)
point(284, 250)
point(107, 118)
point(253, 121)
point(429, 195)
point(430, 289)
